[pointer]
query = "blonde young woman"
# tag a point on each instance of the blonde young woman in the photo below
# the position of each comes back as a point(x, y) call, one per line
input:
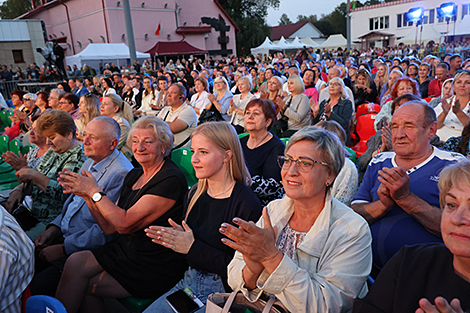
point(221, 195)
point(89, 108)
point(220, 100)
point(381, 78)
point(238, 104)
point(113, 106)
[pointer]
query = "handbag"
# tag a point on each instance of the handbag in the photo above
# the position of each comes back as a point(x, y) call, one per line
point(236, 302)
point(282, 123)
point(210, 116)
point(22, 214)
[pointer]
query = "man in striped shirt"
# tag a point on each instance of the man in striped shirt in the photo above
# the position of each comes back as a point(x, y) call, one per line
point(16, 263)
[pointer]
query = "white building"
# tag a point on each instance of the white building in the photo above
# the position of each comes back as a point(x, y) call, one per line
point(385, 24)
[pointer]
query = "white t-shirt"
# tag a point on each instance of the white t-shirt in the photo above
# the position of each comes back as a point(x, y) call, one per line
point(201, 102)
point(183, 113)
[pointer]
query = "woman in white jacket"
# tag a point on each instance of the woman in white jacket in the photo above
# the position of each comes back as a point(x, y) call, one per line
point(309, 250)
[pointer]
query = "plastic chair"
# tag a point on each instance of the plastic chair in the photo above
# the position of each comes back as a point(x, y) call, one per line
point(15, 146)
point(365, 129)
point(285, 141)
point(25, 149)
point(428, 99)
point(367, 108)
point(182, 158)
point(240, 136)
point(3, 115)
point(43, 304)
point(352, 154)
point(4, 144)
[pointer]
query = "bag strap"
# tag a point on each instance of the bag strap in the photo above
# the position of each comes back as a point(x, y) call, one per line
point(268, 305)
point(229, 302)
point(182, 143)
point(231, 298)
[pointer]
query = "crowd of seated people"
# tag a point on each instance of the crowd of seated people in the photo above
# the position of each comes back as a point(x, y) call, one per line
point(110, 213)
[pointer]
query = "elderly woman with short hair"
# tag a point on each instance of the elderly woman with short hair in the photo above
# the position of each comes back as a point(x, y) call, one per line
point(337, 107)
point(238, 104)
point(66, 153)
point(150, 195)
point(309, 250)
point(220, 100)
point(294, 108)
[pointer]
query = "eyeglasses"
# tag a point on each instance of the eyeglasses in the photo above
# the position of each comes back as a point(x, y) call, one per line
point(304, 164)
point(62, 102)
point(335, 85)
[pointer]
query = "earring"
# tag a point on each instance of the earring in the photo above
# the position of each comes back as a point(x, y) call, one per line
point(327, 184)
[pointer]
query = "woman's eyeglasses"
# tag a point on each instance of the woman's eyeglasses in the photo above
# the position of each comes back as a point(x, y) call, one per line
point(304, 164)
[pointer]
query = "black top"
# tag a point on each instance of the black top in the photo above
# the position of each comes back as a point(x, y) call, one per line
point(416, 272)
point(208, 253)
point(423, 88)
point(361, 96)
point(262, 160)
point(264, 170)
point(143, 268)
point(341, 112)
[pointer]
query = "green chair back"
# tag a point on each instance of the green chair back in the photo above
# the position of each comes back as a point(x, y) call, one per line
point(3, 144)
point(285, 140)
point(240, 136)
point(26, 149)
point(352, 154)
point(182, 158)
point(15, 146)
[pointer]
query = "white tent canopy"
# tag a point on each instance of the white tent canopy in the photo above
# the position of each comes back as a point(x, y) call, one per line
point(284, 44)
point(265, 47)
point(309, 42)
point(463, 28)
point(96, 53)
point(334, 42)
point(428, 33)
point(298, 44)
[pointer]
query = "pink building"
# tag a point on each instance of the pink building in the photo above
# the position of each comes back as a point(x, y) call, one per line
point(75, 23)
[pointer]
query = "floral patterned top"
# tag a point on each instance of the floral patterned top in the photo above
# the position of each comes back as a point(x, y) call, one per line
point(47, 205)
point(288, 241)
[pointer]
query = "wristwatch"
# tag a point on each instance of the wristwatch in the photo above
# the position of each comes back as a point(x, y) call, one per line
point(97, 196)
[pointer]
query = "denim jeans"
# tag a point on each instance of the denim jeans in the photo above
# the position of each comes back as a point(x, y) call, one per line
point(201, 284)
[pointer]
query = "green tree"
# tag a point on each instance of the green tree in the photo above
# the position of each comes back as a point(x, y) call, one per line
point(11, 9)
point(250, 17)
point(284, 20)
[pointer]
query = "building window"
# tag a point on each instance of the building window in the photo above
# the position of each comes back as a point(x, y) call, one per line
point(431, 16)
point(379, 23)
point(18, 56)
point(465, 10)
point(399, 20)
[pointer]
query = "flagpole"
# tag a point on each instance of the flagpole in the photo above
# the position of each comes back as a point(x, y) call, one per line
point(129, 30)
point(348, 25)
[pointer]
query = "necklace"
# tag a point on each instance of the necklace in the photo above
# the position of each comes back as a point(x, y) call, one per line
point(221, 193)
point(261, 141)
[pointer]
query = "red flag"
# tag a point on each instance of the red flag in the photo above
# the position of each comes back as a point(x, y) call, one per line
point(158, 29)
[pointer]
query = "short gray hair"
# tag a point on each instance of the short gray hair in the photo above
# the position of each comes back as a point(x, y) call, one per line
point(161, 131)
point(328, 143)
point(114, 130)
point(58, 91)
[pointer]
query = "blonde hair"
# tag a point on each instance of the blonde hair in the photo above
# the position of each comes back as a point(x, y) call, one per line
point(224, 137)
point(453, 175)
point(299, 86)
point(124, 108)
point(92, 108)
point(247, 81)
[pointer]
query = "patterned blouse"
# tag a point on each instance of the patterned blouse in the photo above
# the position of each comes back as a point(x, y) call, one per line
point(288, 241)
point(47, 205)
